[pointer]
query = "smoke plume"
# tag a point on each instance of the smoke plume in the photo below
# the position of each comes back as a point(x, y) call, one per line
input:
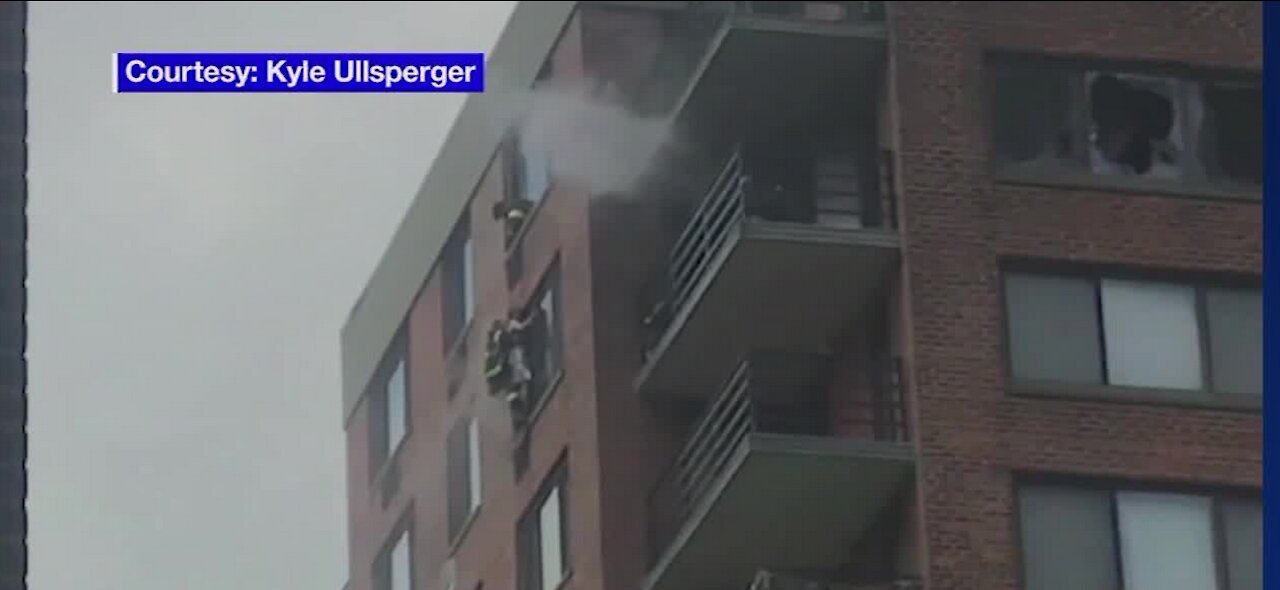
point(592, 143)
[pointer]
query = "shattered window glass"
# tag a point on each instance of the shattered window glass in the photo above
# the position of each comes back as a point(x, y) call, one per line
point(1032, 114)
point(1137, 125)
point(1232, 137)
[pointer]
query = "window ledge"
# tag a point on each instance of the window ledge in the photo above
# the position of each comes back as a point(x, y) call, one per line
point(1138, 395)
point(1198, 189)
point(564, 579)
point(461, 537)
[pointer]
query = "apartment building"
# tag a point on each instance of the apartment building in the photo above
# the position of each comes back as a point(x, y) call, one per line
point(914, 294)
point(13, 298)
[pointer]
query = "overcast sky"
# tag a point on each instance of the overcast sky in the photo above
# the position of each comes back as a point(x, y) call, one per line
point(192, 260)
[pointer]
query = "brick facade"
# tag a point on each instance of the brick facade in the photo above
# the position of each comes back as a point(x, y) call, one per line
point(973, 436)
point(959, 222)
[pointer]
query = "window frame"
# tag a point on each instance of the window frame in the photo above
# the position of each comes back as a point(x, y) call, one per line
point(1218, 496)
point(1205, 396)
point(1197, 179)
point(458, 271)
point(529, 529)
point(550, 285)
point(382, 452)
point(514, 185)
point(463, 493)
point(383, 567)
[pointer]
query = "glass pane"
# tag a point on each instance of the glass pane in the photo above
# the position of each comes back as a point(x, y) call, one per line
point(536, 172)
point(1242, 522)
point(1166, 541)
point(1065, 308)
point(1235, 340)
point(473, 461)
point(1233, 150)
point(400, 564)
point(1067, 541)
point(397, 403)
point(1031, 116)
point(1152, 335)
point(549, 537)
point(468, 281)
point(551, 329)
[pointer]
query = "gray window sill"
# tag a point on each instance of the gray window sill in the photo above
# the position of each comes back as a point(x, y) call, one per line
point(1138, 395)
point(1082, 179)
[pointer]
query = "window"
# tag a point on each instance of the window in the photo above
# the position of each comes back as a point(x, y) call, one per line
point(1132, 333)
point(534, 168)
point(393, 569)
point(1138, 540)
point(458, 283)
point(546, 337)
point(464, 475)
point(389, 412)
point(543, 541)
point(1057, 118)
point(473, 464)
point(397, 406)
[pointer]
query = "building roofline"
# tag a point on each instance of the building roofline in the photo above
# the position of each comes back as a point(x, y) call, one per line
point(529, 36)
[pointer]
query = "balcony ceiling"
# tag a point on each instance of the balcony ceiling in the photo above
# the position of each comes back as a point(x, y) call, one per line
point(769, 71)
point(793, 503)
point(773, 286)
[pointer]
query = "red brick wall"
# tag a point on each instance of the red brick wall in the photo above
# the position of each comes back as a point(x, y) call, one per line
point(487, 552)
point(958, 221)
point(627, 249)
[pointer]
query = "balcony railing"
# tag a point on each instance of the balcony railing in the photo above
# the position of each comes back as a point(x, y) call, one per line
point(769, 393)
point(707, 231)
point(732, 197)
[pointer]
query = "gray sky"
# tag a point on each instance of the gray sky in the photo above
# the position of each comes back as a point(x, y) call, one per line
point(192, 260)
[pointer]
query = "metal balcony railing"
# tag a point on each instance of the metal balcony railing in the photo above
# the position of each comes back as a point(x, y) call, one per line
point(733, 196)
point(707, 230)
point(768, 393)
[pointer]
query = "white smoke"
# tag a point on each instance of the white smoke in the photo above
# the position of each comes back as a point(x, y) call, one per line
point(592, 143)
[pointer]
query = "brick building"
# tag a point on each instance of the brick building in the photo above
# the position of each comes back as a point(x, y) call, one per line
point(13, 297)
point(961, 295)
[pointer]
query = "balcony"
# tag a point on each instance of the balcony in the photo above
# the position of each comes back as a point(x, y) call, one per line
point(764, 261)
point(761, 482)
point(770, 59)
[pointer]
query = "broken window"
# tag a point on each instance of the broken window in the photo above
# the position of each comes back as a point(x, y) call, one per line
point(1137, 124)
point(1049, 119)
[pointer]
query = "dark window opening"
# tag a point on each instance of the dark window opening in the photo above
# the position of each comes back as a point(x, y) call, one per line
point(1136, 126)
point(388, 400)
point(464, 474)
point(458, 283)
point(545, 338)
point(527, 168)
point(542, 536)
point(1233, 132)
point(393, 567)
point(1050, 119)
